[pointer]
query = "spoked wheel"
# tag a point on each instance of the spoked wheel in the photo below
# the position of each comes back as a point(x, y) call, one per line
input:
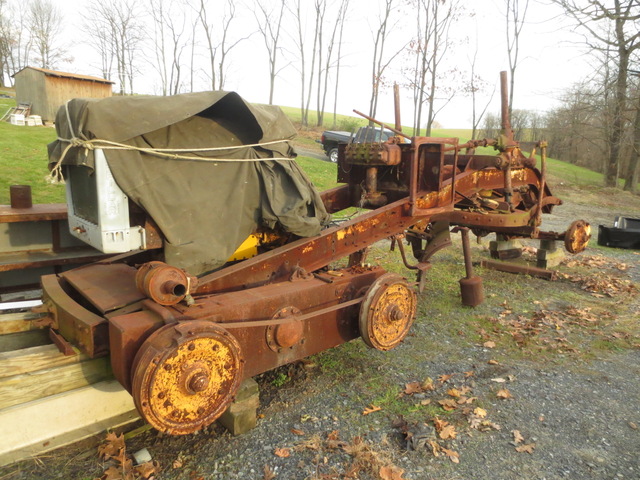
point(185, 375)
point(387, 312)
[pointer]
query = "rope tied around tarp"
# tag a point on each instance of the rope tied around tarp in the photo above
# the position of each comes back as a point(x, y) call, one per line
point(56, 176)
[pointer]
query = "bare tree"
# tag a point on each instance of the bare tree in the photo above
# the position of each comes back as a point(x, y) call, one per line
point(269, 25)
point(515, 19)
point(98, 34)
point(323, 80)
point(301, 43)
point(121, 23)
point(45, 26)
point(217, 29)
point(169, 44)
point(380, 62)
point(434, 19)
point(477, 85)
point(343, 15)
point(5, 42)
point(615, 28)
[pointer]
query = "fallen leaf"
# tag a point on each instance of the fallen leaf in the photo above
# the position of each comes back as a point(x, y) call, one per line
point(517, 437)
point(453, 392)
point(435, 448)
point(492, 362)
point(444, 378)
point(427, 384)
point(295, 431)
point(371, 409)
point(489, 344)
point(439, 424)
point(282, 452)
point(426, 401)
point(448, 432)
point(480, 412)
point(469, 374)
point(453, 456)
point(113, 473)
point(504, 394)
point(147, 469)
point(391, 472)
point(448, 404)
point(413, 387)
point(268, 474)
point(498, 380)
point(633, 425)
point(526, 448)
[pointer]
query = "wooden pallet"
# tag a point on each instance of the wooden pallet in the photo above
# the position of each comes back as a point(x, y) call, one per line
point(47, 399)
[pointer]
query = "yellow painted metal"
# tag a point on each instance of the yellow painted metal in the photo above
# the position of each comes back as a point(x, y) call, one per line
point(185, 376)
point(248, 249)
point(387, 312)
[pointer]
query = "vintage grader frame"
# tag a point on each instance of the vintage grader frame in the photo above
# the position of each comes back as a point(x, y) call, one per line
point(182, 345)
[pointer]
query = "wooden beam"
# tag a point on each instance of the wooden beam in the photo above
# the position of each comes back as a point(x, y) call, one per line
point(27, 360)
point(17, 341)
point(23, 388)
point(19, 322)
point(36, 427)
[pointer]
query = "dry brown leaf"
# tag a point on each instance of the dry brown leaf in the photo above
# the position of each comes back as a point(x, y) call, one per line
point(268, 474)
point(498, 380)
point(526, 448)
point(504, 394)
point(282, 452)
point(493, 362)
point(113, 473)
point(427, 384)
point(448, 432)
point(469, 374)
point(435, 448)
point(480, 412)
point(413, 387)
point(391, 472)
point(147, 469)
point(448, 404)
point(453, 456)
point(517, 437)
point(371, 409)
point(444, 378)
point(295, 431)
point(426, 401)
point(439, 424)
point(633, 425)
point(489, 344)
point(112, 447)
point(453, 392)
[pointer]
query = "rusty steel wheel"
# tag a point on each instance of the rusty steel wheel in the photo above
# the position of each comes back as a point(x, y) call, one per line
point(577, 236)
point(387, 312)
point(185, 375)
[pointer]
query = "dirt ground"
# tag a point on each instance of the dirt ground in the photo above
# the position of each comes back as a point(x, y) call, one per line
point(541, 381)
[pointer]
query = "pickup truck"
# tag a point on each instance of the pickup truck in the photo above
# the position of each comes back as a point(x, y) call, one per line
point(330, 139)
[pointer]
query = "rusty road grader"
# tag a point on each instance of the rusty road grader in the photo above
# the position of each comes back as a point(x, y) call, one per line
point(182, 339)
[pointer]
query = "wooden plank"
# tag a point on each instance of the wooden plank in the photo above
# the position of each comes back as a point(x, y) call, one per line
point(30, 259)
point(27, 360)
point(51, 381)
point(19, 322)
point(43, 425)
point(37, 213)
point(16, 341)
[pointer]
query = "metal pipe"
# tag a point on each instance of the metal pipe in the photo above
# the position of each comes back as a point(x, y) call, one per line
point(504, 103)
point(396, 131)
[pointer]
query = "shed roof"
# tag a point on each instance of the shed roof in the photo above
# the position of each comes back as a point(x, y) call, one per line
point(54, 73)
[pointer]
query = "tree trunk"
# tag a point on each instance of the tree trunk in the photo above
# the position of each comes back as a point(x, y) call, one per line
point(631, 180)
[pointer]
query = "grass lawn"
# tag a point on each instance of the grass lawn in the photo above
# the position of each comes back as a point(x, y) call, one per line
point(23, 156)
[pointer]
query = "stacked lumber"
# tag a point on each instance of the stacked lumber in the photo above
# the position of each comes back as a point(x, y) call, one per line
point(47, 399)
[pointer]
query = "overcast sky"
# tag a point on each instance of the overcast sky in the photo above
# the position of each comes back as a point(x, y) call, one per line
point(550, 59)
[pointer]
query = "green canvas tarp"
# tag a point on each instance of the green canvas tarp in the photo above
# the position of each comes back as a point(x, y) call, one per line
point(206, 207)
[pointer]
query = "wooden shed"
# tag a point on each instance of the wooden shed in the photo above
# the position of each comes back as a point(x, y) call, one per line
point(46, 90)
